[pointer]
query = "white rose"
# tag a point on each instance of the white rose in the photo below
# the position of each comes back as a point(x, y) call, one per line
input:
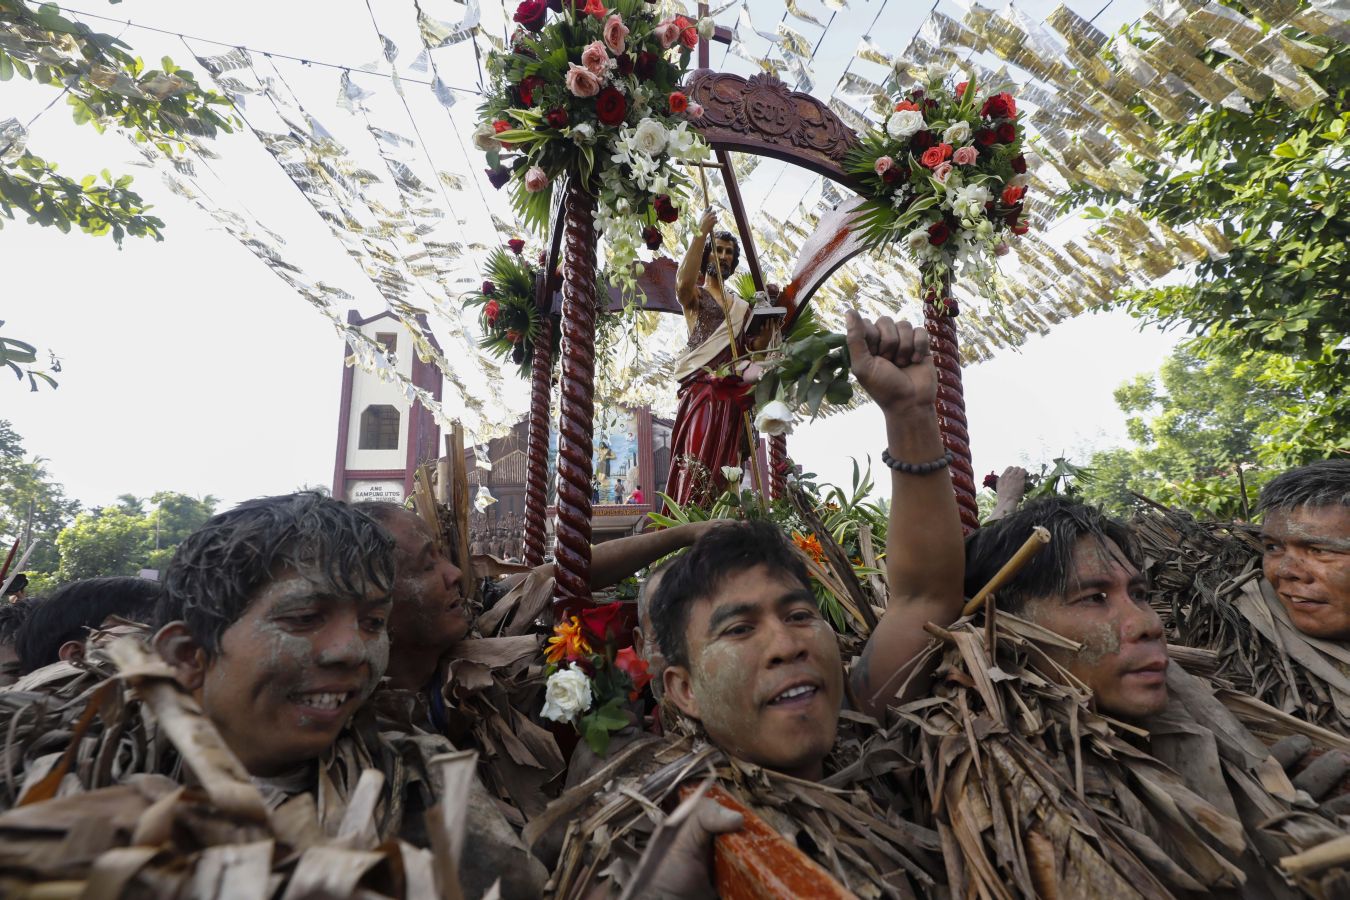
point(706, 28)
point(567, 695)
point(957, 133)
point(582, 134)
point(732, 473)
point(775, 418)
point(917, 240)
point(649, 137)
point(904, 123)
point(485, 137)
point(1019, 180)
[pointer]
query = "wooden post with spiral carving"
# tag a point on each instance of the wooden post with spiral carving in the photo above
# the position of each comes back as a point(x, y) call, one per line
point(536, 472)
point(777, 461)
point(939, 318)
point(572, 532)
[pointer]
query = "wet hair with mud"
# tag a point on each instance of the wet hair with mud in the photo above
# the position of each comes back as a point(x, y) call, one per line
point(1050, 572)
point(1323, 483)
point(221, 566)
point(724, 551)
point(71, 610)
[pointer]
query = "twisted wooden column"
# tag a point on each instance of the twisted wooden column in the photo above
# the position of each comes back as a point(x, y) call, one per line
point(777, 461)
point(939, 318)
point(536, 471)
point(572, 547)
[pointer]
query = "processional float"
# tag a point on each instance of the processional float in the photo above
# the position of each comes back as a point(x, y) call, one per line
point(759, 115)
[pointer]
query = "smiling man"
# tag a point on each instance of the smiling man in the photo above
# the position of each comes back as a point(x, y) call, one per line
point(1305, 535)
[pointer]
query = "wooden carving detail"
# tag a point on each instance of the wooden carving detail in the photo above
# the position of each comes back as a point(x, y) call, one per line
point(572, 549)
point(536, 472)
point(762, 115)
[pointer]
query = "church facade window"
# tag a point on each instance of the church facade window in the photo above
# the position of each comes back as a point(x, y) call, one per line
point(379, 427)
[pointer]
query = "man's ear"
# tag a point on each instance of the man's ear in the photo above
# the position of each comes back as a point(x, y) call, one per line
point(71, 651)
point(679, 687)
point(185, 656)
point(639, 643)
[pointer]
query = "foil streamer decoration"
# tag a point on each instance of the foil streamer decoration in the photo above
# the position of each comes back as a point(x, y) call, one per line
point(436, 33)
point(13, 140)
point(942, 31)
point(850, 116)
point(867, 49)
point(743, 21)
point(793, 42)
point(794, 9)
point(853, 84)
point(442, 92)
point(237, 58)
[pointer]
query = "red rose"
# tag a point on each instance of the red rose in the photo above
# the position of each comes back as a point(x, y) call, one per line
point(991, 481)
point(946, 151)
point(689, 36)
point(999, 106)
point(1013, 215)
point(1019, 164)
point(528, 85)
point(932, 157)
point(610, 106)
point(678, 102)
point(985, 137)
point(645, 67)
point(1013, 193)
point(501, 125)
point(531, 14)
point(635, 667)
point(1007, 133)
point(938, 233)
point(922, 140)
point(489, 288)
point(605, 623)
point(516, 245)
point(1020, 229)
point(651, 236)
point(916, 94)
point(625, 64)
point(961, 89)
point(490, 312)
point(894, 174)
point(557, 117)
point(904, 105)
point(665, 210)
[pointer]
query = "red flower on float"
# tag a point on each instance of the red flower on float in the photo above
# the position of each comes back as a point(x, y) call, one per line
point(922, 140)
point(666, 211)
point(610, 106)
point(500, 125)
point(513, 335)
point(904, 105)
point(645, 66)
point(604, 623)
point(688, 32)
point(489, 288)
point(991, 481)
point(635, 667)
point(595, 8)
point(528, 85)
point(531, 14)
point(999, 106)
point(961, 89)
point(557, 117)
point(491, 311)
point(1019, 164)
point(625, 64)
point(516, 245)
point(651, 236)
point(678, 102)
point(1007, 133)
point(938, 233)
point(985, 137)
point(1013, 193)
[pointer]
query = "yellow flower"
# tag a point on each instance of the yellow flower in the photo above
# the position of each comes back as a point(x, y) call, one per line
point(567, 642)
point(810, 545)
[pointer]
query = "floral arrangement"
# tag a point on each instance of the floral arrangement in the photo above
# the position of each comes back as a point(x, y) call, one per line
point(508, 314)
point(593, 92)
point(946, 177)
point(591, 677)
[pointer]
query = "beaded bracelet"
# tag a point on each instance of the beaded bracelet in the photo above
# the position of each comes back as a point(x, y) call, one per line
point(916, 468)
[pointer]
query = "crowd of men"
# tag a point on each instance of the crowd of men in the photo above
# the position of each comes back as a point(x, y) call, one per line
point(320, 638)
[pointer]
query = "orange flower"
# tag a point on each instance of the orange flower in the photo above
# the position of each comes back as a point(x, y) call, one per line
point(567, 642)
point(810, 545)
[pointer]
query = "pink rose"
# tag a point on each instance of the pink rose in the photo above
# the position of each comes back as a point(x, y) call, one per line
point(695, 110)
point(535, 179)
point(1002, 249)
point(581, 81)
point(596, 59)
point(883, 164)
point(942, 171)
point(615, 33)
point(667, 33)
point(966, 156)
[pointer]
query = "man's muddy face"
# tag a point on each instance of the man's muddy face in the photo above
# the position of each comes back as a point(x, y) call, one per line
point(1307, 561)
point(429, 608)
point(764, 672)
point(1123, 657)
point(292, 670)
point(724, 252)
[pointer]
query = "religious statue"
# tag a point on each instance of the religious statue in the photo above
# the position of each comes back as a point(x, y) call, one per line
point(714, 394)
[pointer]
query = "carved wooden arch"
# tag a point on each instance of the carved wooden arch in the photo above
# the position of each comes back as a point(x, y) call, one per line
point(759, 115)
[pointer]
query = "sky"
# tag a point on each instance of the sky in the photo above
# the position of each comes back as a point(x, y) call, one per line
point(188, 366)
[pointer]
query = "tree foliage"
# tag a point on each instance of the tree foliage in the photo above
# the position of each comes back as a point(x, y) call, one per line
point(1274, 181)
point(26, 488)
point(137, 533)
point(1196, 422)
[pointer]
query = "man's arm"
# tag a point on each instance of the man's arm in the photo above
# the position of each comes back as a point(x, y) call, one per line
point(613, 561)
point(686, 276)
point(1012, 487)
point(925, 555)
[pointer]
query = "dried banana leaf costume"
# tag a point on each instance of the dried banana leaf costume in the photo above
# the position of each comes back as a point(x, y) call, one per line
point(1207, 585)
point(146, 799)
point(1034, 794)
